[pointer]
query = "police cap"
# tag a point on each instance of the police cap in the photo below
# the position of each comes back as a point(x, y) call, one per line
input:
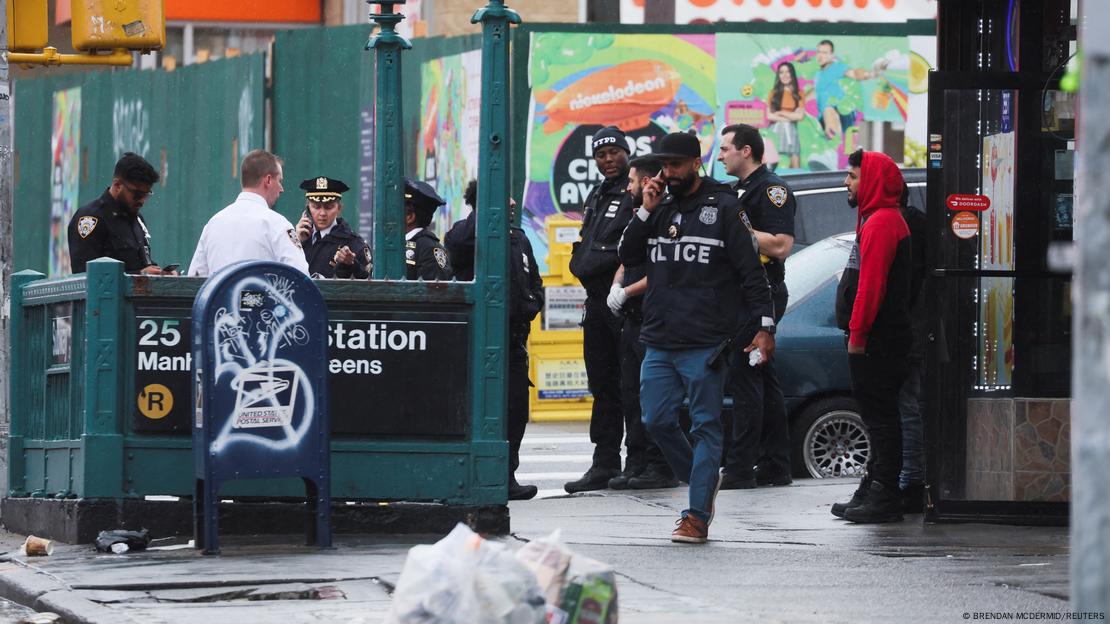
point(678, 145)
point(323, 189)
point(422, 197)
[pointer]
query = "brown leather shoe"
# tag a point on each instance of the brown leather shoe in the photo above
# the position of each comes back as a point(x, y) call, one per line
point(690, 530)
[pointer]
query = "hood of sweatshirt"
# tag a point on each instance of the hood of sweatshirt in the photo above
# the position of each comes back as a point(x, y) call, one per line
point(880, 185)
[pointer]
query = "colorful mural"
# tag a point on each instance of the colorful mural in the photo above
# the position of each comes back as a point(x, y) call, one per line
point(65, 150)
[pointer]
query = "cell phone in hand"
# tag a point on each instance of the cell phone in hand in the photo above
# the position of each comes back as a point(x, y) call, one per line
point(171, 267)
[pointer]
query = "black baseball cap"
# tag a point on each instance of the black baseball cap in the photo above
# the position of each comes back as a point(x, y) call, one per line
point(678, 145)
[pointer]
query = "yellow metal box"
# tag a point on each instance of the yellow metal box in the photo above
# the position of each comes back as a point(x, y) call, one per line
point(112, 24)
point(27, 25)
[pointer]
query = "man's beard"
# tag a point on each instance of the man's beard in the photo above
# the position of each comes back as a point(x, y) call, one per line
point(853, 201)
point(679, 186)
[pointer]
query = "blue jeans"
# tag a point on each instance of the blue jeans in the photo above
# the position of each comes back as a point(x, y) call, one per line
point(665, 378)
point(913, 429)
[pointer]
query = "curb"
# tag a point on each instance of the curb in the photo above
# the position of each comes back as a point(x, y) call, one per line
point(23, 585)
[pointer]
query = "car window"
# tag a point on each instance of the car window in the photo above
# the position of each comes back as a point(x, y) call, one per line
point(822, 213)
point(815, 265)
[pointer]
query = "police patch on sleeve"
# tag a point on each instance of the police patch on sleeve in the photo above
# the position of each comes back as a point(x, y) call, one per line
point(366, 254)
point(708, 215)
point(293, 237)
point(86, 225)
point(777, 195)
point(441, 257)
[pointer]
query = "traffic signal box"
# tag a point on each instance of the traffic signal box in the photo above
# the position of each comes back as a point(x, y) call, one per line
point(557, 367)
point(103, 25)
point(27, 25)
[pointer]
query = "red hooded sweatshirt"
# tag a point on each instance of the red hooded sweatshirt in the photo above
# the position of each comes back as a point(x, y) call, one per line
point(873, 299)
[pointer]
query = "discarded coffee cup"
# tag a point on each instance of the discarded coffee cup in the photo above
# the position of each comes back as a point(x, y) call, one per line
point(38, 547)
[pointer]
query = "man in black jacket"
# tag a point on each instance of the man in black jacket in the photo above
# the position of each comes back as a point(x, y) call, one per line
point(331, 247)
point(594, 262)
point(525, 302)
point(110, 226)
point(705, 282)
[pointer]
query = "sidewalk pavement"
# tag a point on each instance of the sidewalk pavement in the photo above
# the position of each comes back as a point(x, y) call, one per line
point(775, 555)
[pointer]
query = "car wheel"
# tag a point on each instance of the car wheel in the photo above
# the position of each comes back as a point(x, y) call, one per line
point(830, 440)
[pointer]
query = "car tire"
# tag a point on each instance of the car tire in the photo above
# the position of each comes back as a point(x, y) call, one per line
point(829, 440)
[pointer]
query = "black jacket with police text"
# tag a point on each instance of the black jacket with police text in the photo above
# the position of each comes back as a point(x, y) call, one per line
point(704, 275)
point(608, 208)
point(320, 254)
point(104, 229)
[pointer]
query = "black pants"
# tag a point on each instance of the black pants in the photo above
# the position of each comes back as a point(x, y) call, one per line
point(642, 451)
point(518, 391)
point(601, 349)
point(876, 380)
point(759, 430)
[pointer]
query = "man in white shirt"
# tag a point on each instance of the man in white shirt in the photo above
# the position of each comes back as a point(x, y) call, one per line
point(249, 229)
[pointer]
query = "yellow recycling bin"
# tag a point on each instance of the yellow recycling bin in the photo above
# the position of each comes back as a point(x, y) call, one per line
point(556, 366)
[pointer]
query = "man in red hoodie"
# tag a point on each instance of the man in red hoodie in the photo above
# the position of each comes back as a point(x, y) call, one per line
point(872, 307)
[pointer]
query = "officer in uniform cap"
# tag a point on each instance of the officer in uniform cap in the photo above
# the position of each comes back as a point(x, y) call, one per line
point(331, 247)
point(425, 257)
point(760, 435)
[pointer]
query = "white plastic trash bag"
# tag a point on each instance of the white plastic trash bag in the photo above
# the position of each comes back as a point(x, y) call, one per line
point(465, 579)
point(579, 590)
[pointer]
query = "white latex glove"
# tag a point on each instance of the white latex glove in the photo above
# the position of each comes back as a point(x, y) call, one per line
point(616, 299)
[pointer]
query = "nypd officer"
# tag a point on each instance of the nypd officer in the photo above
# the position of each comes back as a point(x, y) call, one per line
point(705, 287)
point(425, 257)
point(525, 302)
point(331, 247)
point(760, 437)
point(110, 226)
point(594, 262)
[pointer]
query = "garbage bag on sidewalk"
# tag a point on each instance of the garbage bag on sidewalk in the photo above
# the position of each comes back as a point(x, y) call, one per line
point(579, 590)
point(134, 540)
point(464, 578)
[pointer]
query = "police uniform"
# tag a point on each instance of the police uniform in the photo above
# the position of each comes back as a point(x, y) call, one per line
point(425, 257)
point(759, 431)
point(105, 229)
point(605, 213)
point(322, 246)
point(247, 229)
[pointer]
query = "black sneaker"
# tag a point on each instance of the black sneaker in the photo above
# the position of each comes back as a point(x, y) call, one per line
point(521, 492)
point(594, 479)
point(620, 482)
point(913, 498)
point(882, 505)
point(858, 497)
point(732, 482)
point(773, 480)
point(654, 477)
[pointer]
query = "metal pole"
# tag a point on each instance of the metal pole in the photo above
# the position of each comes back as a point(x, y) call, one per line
point(388, 155)
point(5, 227)
point(1090, 474)
point(491, 262)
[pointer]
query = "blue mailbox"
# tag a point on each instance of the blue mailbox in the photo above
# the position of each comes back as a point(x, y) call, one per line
point(260, 395)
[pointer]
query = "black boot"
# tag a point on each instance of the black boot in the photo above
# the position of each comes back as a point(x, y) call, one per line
point(913, 498)
point(883, 504)
point(768, 477)
point(654, 477)
point(595, 479)
point(858, 497)
point(735, 482)
point(521, 492)
point(631, 469)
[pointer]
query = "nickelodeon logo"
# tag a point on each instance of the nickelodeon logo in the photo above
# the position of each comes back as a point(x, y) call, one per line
point(613, 94)
point(624, 95)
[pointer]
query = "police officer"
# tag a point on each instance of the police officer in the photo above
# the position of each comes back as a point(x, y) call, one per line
point(594, 262)
point(645, 467)
point(760, 436)
point(525, 302)
point(425, 257)
point(705, 288)
point(331, 247)
point(110, 226)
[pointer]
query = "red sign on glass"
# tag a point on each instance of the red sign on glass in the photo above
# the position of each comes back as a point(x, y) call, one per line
point(968, 202)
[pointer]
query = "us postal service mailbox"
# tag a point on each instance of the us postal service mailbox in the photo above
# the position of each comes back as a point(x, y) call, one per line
point(260, 398)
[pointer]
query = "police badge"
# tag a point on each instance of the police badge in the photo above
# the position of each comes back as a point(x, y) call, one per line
point(777, 195)
point(86, 225)
point(441, 257)
point(708, 215)
point(294, 237)
point(672, 231)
